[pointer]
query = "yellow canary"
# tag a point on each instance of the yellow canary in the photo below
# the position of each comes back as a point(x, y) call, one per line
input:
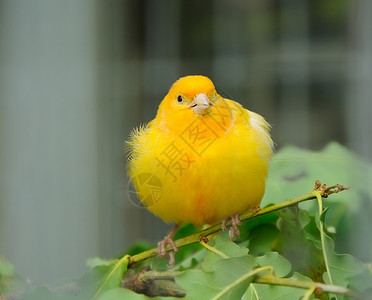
point(202, 159)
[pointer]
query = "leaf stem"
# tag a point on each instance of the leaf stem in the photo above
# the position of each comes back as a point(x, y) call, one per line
point(213, 249)
point(308, 293)
point(334, 289)
point(322, 239)
point(254, 291)
point(240, 280)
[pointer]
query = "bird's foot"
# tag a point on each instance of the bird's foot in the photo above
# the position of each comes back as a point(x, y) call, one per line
point(234, 230)
point(162, 251)
point(256, 209)
point(162, 247)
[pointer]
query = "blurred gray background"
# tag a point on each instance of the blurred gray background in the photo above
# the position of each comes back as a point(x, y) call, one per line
point(77, 75)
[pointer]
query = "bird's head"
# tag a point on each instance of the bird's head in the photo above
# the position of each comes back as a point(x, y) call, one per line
point(189, 97)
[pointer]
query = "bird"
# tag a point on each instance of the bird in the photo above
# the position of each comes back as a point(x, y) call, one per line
point(203, 159)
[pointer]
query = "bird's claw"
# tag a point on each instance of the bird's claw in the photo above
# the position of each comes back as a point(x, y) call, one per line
point(162, 247)
point(223, 224)
point(162, 251)
point(234, 230)
point(256, 209)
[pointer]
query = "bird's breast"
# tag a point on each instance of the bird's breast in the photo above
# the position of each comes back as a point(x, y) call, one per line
point(204, 175)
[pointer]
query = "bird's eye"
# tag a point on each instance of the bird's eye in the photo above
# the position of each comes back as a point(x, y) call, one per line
point(179, 99)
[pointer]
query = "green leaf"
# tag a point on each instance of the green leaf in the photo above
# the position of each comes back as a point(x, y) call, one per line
point(185, 253)
point(293, 243)
point(225, 246)
point(272, 292)
point(262, 238)
point(191, 261)
point(102, 278)
point(362, 282)
point(281, 265)
point(341, 266)
point(250, 230)
point(200, 284)
point(229, 271)
point(229, 248)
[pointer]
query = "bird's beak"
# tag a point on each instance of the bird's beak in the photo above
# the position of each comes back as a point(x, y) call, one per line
point(200, 104)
